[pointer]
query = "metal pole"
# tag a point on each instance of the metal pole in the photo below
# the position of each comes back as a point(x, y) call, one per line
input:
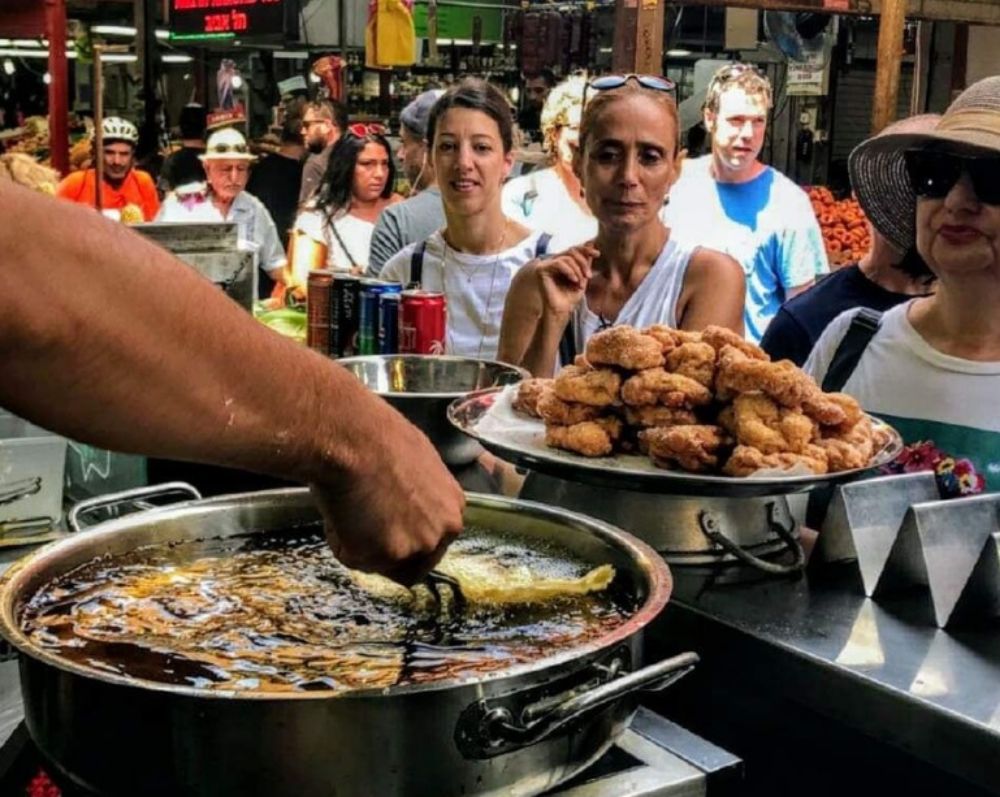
point(55, 25)
point(98, 131)
point(146, 50)
point(890, 55)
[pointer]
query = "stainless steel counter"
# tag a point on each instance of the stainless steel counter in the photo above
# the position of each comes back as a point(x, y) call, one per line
point(881, 668)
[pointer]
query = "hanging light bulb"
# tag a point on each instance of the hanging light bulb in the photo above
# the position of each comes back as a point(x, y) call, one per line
point(47, 78)
point(313, 77)
point(8, 66)
point(237, 82)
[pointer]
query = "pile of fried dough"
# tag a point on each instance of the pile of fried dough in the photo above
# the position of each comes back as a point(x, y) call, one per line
point(703, 402)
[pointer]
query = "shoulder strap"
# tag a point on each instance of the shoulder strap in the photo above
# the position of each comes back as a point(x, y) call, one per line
point(567, 344)
point(542, 244)
point(417, 265)
point(859, 334)
point(343, 246)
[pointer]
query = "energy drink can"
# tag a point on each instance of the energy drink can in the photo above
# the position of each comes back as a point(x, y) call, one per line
point(422, 319)
point(368, 319)
point(319, 287)
point(388, 323)
point(344, 300)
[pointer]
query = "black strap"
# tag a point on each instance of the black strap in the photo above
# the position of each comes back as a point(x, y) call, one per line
point(340, 241)
point(542, 244)
point(567, 344)
point(859, 334)
point(417, 265)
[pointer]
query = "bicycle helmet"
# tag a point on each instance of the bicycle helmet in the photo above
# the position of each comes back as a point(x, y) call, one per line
point(114, 128)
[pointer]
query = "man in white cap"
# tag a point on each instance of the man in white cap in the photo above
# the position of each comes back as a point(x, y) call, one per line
point(421, 214)
point(227, 162)
point(123, 185)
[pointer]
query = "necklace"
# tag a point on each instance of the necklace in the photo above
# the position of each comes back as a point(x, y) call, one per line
point(468, 281)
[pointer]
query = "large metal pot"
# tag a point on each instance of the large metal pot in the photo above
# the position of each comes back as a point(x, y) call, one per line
point(422, 387)
point(514, 732)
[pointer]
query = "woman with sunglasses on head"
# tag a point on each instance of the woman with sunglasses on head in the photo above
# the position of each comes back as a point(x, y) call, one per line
point(635, 271)
point(931, 366)
point(473, 258)
point(356, 188)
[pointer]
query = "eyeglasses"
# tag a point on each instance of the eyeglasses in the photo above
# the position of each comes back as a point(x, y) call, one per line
point(361, 130)
point(933, 174)
point(222, 149)
point(311, 122)
point(609, 82)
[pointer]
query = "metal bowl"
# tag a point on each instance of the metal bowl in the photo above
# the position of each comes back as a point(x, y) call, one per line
point(423, 386)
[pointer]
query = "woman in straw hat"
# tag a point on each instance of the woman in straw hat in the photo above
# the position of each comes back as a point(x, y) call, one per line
point(931, 366)
point(227, 162)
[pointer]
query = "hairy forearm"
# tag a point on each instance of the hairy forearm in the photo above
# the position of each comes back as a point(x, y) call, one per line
point(521, 315)
point(111, 340)
point(542, 353)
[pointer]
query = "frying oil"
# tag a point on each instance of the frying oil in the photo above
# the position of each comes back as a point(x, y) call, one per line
point(276, 612)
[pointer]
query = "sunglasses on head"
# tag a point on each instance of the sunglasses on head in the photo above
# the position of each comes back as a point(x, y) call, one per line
point(224, 148)
point(609, 82)
point(933, 174)
point(361, 130)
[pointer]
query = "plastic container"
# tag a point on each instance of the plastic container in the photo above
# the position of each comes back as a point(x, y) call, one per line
point(32, 462)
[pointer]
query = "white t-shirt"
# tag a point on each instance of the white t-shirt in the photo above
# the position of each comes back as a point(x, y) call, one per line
point(766, 224)
point(654, 301)
point(540, 201)
point(355, 233)
point(475, 288)
point(925, 394)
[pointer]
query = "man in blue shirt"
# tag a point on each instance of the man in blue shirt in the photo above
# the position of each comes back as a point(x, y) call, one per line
point(732, 202)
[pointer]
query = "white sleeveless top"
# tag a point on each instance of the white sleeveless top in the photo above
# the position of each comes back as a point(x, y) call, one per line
point(654, 301)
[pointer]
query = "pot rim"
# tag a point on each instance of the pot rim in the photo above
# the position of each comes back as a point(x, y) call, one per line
point(450, 395)
point(647, 560)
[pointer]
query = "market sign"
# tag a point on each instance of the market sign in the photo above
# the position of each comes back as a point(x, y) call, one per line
point(456, 22)
point(225, 19)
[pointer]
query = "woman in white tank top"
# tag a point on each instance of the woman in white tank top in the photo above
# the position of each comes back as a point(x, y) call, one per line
point(634, 272)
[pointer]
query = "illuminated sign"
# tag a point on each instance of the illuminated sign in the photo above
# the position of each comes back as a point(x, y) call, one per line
point(225, 19)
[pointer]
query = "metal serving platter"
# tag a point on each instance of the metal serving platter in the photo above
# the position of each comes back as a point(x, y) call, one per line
point(481, 415)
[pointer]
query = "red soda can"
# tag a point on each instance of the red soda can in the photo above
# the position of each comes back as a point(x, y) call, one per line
point(318, 288)
point(422, 318)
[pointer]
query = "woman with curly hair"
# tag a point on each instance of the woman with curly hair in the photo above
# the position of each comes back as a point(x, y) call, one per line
point(357, 187)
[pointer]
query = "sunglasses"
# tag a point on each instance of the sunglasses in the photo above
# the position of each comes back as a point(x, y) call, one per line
point(609, 82)
point(933, 174)
point(222, 149)
point(361, 130)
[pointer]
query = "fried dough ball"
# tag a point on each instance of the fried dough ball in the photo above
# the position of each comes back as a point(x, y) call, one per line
point(850, 407)
point(591, 438)
point(720, 337)
point(694, 447)
point(695, 361)
point(746, 460)
point(819, 405)
point(654, 415)
point(624, 347)
point(595, 386)
point(782, 381)
point(528, 393)
point(554, 410)
point(656, 386)
point(851, 448)
point(759, 422)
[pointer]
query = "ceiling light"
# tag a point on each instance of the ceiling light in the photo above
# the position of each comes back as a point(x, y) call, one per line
point(237, 82)
point(8, 67)
point(119, 58)
point(678, 53)
point(177, 58)
point(30, 43)
point(113, 30)
point(313, 77)
point(47, 78)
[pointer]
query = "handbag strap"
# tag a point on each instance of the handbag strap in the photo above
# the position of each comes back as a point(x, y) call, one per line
point(859, 334)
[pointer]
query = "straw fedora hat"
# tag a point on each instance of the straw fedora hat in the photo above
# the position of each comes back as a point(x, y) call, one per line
point(878, 172)
point(227, 144)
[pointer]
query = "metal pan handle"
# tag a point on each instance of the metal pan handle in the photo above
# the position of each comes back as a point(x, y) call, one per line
point(127, 496)
point(488, 730)
point(711, 528)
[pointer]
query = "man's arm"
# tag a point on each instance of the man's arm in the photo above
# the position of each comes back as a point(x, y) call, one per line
point(158, 361)
point(796, 290)
point(312, 173)
point(386, 241)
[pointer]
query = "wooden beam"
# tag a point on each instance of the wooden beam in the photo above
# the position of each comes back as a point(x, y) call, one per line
point(974, 12)
point(638, 38)
point(891, 25)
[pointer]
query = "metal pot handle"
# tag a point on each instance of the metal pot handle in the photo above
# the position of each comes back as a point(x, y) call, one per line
point(125, 496)
point(489, 729)
point(711, 528)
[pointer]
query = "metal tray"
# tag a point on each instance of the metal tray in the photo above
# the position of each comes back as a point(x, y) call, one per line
point(631, 472)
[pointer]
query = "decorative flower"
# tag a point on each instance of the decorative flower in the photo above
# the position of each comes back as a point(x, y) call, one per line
point(955, 477)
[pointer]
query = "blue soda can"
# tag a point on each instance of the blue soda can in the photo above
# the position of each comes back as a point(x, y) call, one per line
point(368, 317)
point(388, 323)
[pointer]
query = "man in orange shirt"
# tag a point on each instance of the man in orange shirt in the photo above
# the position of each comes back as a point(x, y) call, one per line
point(124, 186)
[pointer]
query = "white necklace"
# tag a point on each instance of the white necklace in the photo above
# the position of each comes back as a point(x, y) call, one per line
point(468, 281)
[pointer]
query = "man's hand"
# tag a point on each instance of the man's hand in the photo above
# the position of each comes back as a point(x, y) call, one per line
point(397, 509)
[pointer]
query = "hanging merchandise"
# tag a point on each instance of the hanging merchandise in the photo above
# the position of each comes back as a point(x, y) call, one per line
point(330, 69)
point(224, 83)
point(390, 39)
